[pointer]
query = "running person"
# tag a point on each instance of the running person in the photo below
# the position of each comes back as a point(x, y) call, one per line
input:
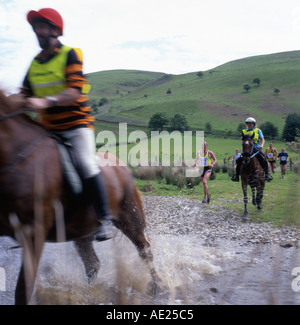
point(205, 159)
point(283, 159)
point(271, 154)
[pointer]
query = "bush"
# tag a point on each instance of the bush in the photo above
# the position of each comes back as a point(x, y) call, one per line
point(180, 181)
point(297, 167)
point(224, 169)
point(217, 168)
point(175, 176)
point(231, 171)
point(167, 174)
point(291, 127)
point(103, 101)
point(270, 131)
point(145, 173)
point(191, 182)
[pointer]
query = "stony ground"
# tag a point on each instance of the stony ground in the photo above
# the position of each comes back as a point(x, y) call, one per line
point(178, 215)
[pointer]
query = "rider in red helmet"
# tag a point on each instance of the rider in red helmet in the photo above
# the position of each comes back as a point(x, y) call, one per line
point(47, 14)
point(55, 86)
point(50, 16)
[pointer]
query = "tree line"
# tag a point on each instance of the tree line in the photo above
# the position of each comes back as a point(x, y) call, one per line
point(161, 121)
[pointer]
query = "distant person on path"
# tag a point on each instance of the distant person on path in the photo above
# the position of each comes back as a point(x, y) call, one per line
point(235, 157)
point(283, 159)
point(205, 159)
point(271, 154)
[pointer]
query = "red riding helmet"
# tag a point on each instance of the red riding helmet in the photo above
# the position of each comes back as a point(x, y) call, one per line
point(48, 14)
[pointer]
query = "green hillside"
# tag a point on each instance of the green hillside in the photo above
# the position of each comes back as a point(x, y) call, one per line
point(217, 97)
point(114, 84)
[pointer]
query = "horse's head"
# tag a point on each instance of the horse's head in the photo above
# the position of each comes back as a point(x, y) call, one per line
point(12, 103)
point(247, 144)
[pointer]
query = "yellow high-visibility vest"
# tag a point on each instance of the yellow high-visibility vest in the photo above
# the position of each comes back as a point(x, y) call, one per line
point(49, 78)
point(252, 133)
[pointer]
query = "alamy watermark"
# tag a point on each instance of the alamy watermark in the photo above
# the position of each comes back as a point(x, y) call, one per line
point(2, 279)
point(161, 149)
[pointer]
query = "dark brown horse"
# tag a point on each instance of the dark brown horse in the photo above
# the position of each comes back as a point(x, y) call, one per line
point(32, 189)
point(252, 174)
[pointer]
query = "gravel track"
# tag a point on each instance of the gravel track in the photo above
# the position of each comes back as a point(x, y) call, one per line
point(182, 216)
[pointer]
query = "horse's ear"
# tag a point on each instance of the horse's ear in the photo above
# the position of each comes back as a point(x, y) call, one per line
point(252, 136)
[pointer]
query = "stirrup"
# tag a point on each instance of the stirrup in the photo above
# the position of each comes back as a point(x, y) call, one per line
point(105, 231)
point(269, 178)
point(235, 178)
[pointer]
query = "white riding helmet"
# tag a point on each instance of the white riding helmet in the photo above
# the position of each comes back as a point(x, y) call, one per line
point(251, 120)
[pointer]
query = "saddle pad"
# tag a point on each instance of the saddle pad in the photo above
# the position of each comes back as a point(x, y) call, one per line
point(71, 175)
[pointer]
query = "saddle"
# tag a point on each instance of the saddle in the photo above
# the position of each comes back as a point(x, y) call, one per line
point(70, 173)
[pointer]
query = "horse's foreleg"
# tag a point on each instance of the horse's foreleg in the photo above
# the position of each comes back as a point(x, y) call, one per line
point(245, 202)
point(89, 258)
point(254, 200)
point(31, 257)
point(145, 253)
point(259, 197)
point(27, 275)
point(132, 225)
point(137, 237)
point(20, 292)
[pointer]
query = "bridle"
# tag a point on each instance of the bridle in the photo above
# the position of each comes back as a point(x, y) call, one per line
point(249, 154)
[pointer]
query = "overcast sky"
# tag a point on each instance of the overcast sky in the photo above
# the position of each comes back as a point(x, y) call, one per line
point(171, 36)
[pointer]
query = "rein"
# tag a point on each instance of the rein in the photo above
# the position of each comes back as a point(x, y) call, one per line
point(23, 154)
point(13, 114)
point(254, 154)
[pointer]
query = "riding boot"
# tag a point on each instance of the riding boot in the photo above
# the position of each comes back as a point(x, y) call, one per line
point(264, 164)
point(268, 175)
point(98, 197)
point(236, 176)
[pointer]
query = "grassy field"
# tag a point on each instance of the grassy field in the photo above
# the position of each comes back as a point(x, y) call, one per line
point(281, 200)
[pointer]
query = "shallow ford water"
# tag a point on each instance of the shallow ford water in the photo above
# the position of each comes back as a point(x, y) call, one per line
point(191, 273)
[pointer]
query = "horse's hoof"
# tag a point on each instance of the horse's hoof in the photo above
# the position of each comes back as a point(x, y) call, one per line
point(245, 218)
point(91, 275)
point(157, 291)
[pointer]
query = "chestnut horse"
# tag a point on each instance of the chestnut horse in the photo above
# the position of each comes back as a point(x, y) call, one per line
point(32, 186)
point(252, 174)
